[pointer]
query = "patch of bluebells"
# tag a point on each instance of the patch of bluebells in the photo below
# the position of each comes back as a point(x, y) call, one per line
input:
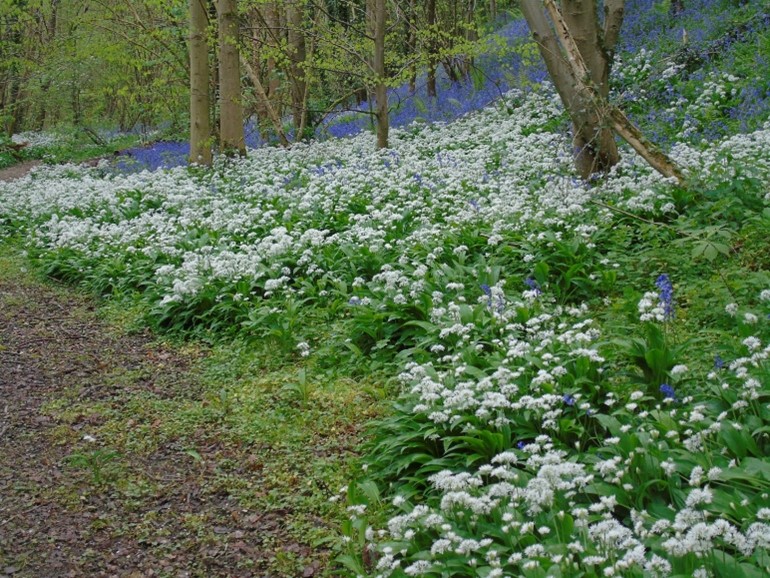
point(533, 285)
point(681, 91)
point(159, 155)
point(496, 72)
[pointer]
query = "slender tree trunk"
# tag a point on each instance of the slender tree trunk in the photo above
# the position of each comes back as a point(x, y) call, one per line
point(265, 103)
point(273, 18)
point(493, 10)
point(200, 121)
point(411, 45)
point(430, 13)
point(231, 133)
point(297, 56)
point(381, 88)
point(471, 34)
point(47, 38)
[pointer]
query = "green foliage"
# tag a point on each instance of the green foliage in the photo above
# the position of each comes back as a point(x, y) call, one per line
point(100, 464)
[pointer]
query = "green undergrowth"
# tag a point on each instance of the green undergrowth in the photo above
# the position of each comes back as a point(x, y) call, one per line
point(64, 146)
point(666, 397)
point(230, 422)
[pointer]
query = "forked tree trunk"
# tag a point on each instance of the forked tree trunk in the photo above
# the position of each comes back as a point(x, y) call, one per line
point(593, 141)
point(200, 121)
point(379, 15)
point(231, 132)
point(577, 70)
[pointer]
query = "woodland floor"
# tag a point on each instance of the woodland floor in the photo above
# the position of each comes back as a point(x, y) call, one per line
point(71, 506)
point(17, 171)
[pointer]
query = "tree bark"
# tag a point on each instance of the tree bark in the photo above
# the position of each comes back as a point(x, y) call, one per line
point(273, 21)
point(430, 13)
point(593, 142)
point(231, 133)
point(411, 44)
point(381, 88)
point(594, 100)
point(200, 121)
point(297, 57)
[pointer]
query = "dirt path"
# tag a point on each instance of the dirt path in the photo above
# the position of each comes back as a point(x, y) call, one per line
point(69, 506)
point(17, 171)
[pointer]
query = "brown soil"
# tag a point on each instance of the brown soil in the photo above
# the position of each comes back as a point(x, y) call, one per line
point(17, 171)
point(152, 512)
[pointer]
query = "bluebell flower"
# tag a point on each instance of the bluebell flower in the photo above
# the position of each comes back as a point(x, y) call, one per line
point(521, 445)
point(666, 295)
point(474, 203)
point(719, 363)
point(568, 399)
point(534, 285)
point(486, 289)
point(667, 391)
point(354, 301)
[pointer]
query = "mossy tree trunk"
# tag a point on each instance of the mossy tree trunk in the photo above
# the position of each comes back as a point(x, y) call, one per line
point(200, 123)
point(379, 20)
point(231, 133)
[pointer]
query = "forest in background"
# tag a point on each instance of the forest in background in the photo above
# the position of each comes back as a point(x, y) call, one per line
point(124, 65)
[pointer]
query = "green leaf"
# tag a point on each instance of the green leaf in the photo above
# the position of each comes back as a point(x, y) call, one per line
point(541, 272)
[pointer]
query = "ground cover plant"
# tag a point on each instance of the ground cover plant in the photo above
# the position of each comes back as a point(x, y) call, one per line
point(125, 454)
point(582, 365)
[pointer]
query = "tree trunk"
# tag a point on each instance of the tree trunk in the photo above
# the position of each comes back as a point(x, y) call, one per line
point(379, 15)
point(593, 141)
point(231, 133)
point(411, 45)
point(265, 103)
point(273, 21)
point(200, 121)
point(574, 82)
point(430, 10)
point(297, 56)
point(471, 35)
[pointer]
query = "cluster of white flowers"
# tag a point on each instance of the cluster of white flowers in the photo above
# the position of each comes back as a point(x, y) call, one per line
point(314, 209)
point(529, 489)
